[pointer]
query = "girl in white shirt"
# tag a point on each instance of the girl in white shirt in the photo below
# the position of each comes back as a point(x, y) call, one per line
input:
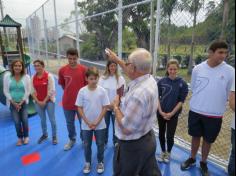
point(114, 85)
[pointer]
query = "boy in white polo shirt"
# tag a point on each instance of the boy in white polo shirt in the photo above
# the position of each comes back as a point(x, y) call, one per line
point(92, 102)
point(211, 84)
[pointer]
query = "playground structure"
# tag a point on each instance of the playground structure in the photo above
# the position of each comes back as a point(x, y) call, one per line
point(9, 55)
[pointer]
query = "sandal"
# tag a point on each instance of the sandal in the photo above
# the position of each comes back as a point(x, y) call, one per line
point(19, 142)
point(26, 140)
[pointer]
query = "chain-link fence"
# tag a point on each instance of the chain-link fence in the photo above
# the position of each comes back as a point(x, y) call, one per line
point(189, 26)
point(180, 29)
point(90, 26)
point(187, 29)
point(220, 149)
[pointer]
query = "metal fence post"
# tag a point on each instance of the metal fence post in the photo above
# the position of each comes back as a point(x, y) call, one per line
point(29, 38)
point(57, 33)
point(45, 34)
point(152, 28)
point(38, 39)
point(27, 32)
point(77, 25)
point(157, 37)
point(120, 28)
point(33, 39)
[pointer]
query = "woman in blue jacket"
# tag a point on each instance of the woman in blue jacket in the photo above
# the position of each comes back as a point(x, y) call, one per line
point(173, 91)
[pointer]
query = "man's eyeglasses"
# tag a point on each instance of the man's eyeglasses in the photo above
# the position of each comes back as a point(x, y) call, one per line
point(127, 63)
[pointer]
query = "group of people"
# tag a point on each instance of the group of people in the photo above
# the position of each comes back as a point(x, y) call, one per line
point(98, 101)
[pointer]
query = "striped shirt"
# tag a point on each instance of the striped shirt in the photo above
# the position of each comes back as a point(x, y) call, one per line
point(139, 106)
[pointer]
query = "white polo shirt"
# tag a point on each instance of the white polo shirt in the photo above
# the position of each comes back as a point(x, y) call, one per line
point(211, 88)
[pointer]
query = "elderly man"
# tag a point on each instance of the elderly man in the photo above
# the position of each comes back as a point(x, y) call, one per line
point(135, 114)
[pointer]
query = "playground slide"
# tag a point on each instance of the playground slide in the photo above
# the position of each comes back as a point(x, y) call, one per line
point(31, 108)
point(2, 97)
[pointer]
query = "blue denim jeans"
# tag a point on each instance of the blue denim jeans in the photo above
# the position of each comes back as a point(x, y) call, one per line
point(108, 117)
point(100, 141)
point(70, 122)
point(21, 121)
point(50, 109)
point(231, 168)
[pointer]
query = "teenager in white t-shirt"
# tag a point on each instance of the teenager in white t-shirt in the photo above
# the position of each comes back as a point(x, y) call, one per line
point(211, 83)
point(231, 167)
point(92, 102)
point(114, 84)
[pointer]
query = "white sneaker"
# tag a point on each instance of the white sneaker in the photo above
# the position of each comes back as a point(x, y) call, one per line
point(69, 145)
point(167, 157)
point(161, 157)
point(100, 168)
point(87, 168)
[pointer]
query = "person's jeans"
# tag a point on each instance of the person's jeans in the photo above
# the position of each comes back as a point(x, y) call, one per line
point(231, 167)
point(70, 122)
point(108, 117)
point(100, 141)
point(21, 120)
point(50, 109)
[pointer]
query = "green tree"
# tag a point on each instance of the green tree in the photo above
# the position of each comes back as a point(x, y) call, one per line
point(225, 19)
point(193, 7)
point(210, 7)
point(89, 49)
point(230, 25)
point(104, 27)
point(168, 7)
point(129, 40)
point(138, 19)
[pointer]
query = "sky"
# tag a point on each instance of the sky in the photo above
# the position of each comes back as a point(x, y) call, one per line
point(20, 9)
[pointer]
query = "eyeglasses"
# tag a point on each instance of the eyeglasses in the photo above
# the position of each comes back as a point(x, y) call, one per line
point(127, 63)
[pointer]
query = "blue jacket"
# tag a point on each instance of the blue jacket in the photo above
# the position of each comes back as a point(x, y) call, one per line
point(171, 92)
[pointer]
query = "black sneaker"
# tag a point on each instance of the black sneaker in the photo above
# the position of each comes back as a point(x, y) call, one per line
point(54, 140)
point(204, 169)
point(42, 138)
point(188, 164)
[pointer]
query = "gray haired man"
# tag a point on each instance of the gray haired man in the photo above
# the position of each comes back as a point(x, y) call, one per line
point(135, 114)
